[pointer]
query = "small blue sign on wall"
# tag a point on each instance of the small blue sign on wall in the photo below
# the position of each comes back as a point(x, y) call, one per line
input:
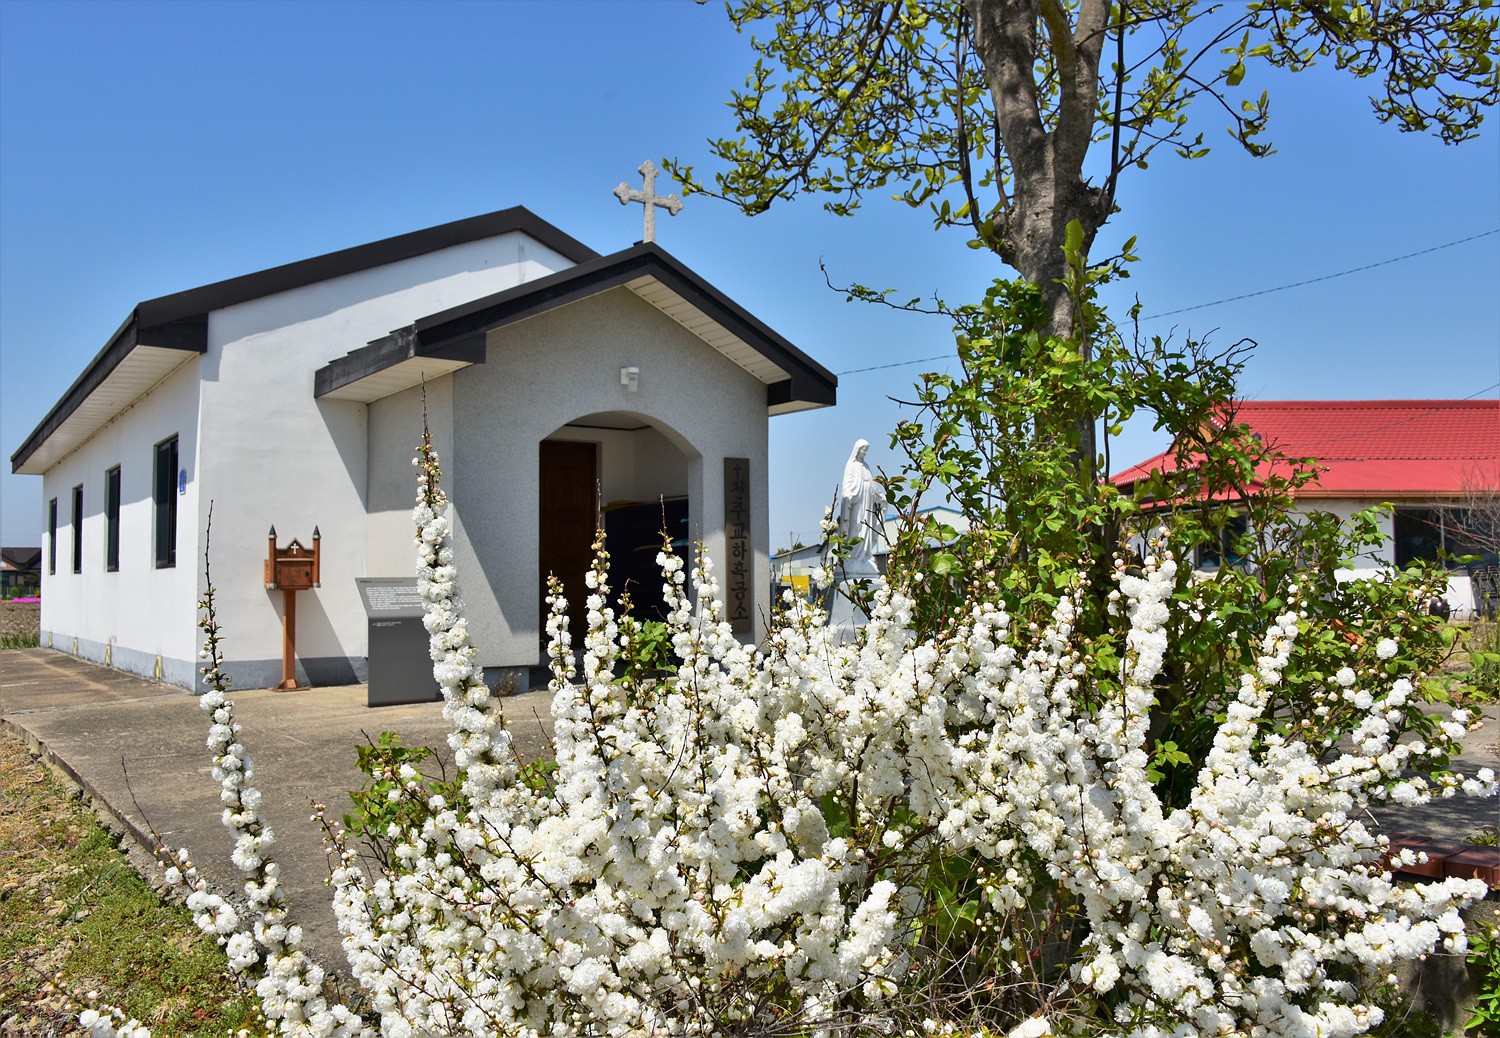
point(182, 481)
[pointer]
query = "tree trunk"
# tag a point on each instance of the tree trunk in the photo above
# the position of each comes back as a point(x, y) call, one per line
point(1047, 189)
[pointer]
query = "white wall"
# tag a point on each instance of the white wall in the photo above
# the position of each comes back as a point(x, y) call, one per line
point(395, 432)
point(540, 375)
point(139, 614)
point(258, 446)
point(1374, 562)
point(277, 456)
point(660, 469)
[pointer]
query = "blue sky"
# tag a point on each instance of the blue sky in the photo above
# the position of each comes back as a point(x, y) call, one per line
point(149, 148)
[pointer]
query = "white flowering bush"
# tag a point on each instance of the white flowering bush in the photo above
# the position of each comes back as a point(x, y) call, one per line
point(955, 832)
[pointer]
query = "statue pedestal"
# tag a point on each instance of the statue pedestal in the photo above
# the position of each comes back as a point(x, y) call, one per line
point(844, 615)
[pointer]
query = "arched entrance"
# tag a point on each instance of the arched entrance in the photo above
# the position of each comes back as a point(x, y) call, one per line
point(628, 474)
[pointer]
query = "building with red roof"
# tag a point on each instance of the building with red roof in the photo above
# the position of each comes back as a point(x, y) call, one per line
point(1434, 460)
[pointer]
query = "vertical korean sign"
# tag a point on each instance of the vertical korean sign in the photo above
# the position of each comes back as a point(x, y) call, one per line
point(737, 543)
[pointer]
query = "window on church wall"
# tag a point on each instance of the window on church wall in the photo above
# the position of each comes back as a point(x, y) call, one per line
point(112, 519)
point(78, 528)
point(52, 536)
point(164, 497)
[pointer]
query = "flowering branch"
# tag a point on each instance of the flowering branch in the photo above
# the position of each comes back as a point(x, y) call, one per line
point(944, 832)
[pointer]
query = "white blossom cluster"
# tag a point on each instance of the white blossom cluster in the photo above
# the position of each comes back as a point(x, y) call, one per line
point(650, 893)
point(749, 842)
point(479, 738)
point(290, 986)
point(740, 839)
point(111, 1023)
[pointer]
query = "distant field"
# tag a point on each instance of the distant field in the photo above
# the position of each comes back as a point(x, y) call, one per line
point(20, 624)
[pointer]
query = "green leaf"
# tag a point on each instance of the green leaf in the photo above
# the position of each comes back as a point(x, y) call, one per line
point(1073, 246)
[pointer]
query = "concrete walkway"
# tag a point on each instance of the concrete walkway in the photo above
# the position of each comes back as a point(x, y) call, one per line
point(137, 747)
point(1459, 817)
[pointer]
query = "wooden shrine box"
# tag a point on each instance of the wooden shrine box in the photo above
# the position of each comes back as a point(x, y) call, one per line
point(293, 568)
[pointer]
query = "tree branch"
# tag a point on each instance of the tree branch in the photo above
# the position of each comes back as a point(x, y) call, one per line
point(1114, 143)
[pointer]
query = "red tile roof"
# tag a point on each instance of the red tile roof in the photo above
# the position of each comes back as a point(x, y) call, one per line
point(1383, 449)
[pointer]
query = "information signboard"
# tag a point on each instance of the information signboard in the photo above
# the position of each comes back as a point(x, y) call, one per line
point(399, 661)
point(737, 595)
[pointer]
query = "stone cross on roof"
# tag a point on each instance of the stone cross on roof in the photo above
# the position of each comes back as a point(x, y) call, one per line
point(648, 198)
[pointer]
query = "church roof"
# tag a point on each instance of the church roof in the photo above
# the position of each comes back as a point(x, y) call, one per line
point(456, 337)
point(160, 334)
point(1384, 449)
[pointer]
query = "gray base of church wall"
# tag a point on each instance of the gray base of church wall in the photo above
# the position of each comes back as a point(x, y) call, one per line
point(319, 670)
point(511, 681)
point(182, 673)
point(315, 670)
point(250, 674)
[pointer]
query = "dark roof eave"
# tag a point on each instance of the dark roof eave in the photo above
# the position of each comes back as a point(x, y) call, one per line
point(461, 330)
point(180, 321)
point(120, 345)
point(362, 257)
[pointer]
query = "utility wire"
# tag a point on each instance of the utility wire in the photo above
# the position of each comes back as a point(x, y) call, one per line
point(1230, 299)
point(897, 364)
point(1325, 277)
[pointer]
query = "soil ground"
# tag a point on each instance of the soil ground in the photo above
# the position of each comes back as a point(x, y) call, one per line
point(20, 619)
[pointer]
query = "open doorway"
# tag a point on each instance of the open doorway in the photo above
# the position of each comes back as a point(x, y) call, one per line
point(568, 482)
point(626, 473)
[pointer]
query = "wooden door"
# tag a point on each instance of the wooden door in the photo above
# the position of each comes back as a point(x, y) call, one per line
point(569, 513)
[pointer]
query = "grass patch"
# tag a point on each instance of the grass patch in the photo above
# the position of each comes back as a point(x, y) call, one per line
point(1473, 668)
point(20, 641)
point(75, 918)
point(1482, 642)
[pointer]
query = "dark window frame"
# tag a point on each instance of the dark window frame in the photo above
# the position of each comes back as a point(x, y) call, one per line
point(165, 463)
point(52, 537)
point(112, 520)
point(1212, 556)
point(1427, 532)
point(78, 528)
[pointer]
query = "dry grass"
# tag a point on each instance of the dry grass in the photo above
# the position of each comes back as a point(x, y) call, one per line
point(76, 919)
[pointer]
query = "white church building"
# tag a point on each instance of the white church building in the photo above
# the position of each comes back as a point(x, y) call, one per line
point(563, 388)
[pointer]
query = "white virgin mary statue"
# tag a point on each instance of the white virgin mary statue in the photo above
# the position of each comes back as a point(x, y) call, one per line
point(861, 515)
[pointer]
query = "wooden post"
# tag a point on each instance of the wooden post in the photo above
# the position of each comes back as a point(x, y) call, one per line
point(288, 639)
point(291, 569)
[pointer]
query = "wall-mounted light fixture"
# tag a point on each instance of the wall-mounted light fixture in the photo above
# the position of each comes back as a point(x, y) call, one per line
point(630, 378)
